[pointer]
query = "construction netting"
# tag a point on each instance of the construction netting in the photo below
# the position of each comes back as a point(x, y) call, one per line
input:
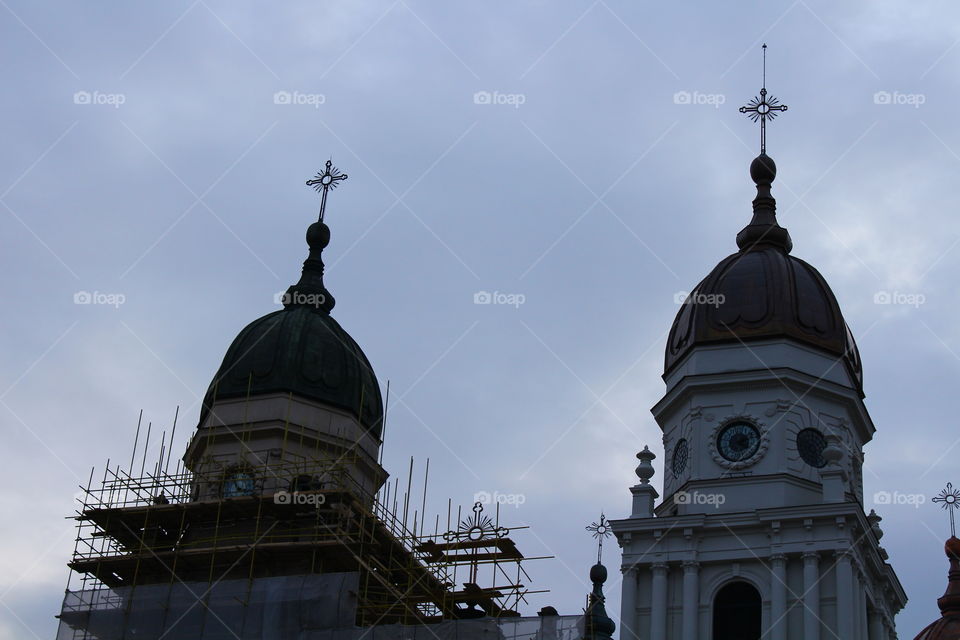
point(306, 607)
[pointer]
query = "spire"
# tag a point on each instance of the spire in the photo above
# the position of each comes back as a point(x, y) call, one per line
point(310, 290)
point(763, 228)
point(599, 626)
point(949, 602)
point(948, 626)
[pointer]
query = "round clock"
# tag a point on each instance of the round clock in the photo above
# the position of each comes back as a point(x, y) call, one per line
point(738, 441)
point(680, 454)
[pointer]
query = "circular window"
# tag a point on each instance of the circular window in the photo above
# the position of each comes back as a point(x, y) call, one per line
point(810, 444)
point(680, 454)
point(738, 441)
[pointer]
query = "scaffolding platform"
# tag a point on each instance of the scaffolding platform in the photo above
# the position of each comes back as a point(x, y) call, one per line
point(148, 544)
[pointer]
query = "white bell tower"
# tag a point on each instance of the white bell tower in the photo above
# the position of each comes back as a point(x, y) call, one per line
point(761, 532)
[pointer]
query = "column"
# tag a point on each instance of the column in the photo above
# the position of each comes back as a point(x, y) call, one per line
point(628, 604)
point(691, 602)
point(811, 597)
point(658, 601)
point(845, 599)
point(778, 597)
point(862, 605)
point(877, 630)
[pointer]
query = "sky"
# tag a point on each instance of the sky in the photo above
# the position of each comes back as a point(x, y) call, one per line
point(584, 161)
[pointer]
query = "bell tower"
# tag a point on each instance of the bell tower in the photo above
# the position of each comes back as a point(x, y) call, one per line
point(761, 532)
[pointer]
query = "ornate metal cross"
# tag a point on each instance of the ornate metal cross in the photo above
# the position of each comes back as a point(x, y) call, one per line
point(950, 498)
point(600, 530)
point(325, 181)
point(476, 529)
point(763, 108)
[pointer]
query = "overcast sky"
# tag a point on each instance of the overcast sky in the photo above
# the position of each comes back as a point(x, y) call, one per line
point(155, 153)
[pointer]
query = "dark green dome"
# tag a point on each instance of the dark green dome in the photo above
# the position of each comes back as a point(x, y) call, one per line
point(300, 350)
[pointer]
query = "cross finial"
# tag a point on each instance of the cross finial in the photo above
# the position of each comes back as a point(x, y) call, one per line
point(950, 498)
point(325, 181)
point(600, 530)
point(763, 108)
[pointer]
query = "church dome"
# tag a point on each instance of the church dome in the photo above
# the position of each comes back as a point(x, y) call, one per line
point(948, 626)
point(762, 292)
point(300, 350)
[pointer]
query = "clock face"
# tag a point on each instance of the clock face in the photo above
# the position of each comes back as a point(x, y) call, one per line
point(738, 441)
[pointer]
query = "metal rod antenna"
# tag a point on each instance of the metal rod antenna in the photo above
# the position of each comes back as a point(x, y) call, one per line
point(406, 496)
point(764, 65)
point(423, 506)
point(163, 450)
point(172, 433)
point(136, 438)
point(383, 425)
point(146, 445)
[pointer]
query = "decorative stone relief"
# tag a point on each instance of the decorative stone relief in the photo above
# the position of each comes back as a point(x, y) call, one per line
point(780, 406)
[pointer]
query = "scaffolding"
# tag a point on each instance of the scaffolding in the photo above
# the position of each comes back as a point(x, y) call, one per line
point(170, 536)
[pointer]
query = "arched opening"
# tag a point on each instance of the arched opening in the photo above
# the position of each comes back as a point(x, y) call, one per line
point(737, 612)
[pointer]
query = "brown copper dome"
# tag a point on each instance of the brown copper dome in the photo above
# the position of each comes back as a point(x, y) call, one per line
point(948, 626)
point(762, 292)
